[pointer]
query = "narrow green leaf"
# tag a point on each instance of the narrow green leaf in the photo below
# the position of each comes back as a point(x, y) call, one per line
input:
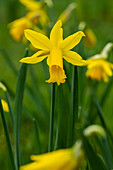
point(7, 136)
point(18, 107)
point(37, 139)
point(106, 92)
point(50, 146)
point(10, 108)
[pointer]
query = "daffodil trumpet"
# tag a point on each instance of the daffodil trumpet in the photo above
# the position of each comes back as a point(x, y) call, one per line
point(55, 50)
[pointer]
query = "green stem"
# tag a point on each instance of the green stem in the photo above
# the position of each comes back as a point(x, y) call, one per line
point(74, 106)
point(7, 136)
point(51, 117)
point(18, 109)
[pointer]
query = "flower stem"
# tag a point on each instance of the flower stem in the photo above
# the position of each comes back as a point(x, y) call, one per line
point(74, 106)
point(7, 136)
point(51, 117)
point(18, 109)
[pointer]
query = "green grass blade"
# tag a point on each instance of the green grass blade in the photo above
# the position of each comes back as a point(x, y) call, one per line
point(50, 145)
point(7, 136)
point(18, 107)
point(37, 139)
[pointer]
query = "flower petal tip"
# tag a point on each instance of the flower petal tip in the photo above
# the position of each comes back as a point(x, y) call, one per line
point(82, 33)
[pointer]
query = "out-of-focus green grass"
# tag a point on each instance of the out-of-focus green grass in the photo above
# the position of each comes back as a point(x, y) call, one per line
point(98, 15)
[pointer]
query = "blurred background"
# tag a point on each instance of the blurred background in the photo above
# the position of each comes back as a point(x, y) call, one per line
point(98, 16)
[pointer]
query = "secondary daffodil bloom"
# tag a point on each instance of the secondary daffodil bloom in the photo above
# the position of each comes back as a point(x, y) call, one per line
point(64, 159)
point(56, 49)
point(18, 26)
point(5, 106)
point(98, 67)
point(38, 8)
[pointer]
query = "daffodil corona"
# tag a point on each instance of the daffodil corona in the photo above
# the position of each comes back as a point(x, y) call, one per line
point(56, 49)
point(64, 159)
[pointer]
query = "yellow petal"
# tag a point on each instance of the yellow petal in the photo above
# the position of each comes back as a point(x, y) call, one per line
point(31, 4)
point(38, 40)
point(36, 58)
point(56, 35)
point(107, 68)
point(73, 58)
point(57, 75)
point(105, 77)
point(5, 106)
point(71, 41)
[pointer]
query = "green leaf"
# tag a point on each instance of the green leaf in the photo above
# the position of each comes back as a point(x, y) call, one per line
point(95, 161)
point(37, 139)
point(7, 136)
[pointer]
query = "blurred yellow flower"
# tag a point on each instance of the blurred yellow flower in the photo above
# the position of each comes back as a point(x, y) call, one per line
point(90, 40)
point(37, 7)
point(18, 26)
point(64, 159)
point(98, 67)
point(5, 106)
point(55, 49)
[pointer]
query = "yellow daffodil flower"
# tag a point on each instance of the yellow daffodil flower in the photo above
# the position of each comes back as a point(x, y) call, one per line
point(98, 67)
point(18, 26)
point(56, 49)
point(5, 105)
point(64, 159)
point(38, 8)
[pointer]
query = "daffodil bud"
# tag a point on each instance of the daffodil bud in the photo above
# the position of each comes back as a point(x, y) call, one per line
point(94, 130)
point(3, 87)
point(106, 50)
point(82, 25)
